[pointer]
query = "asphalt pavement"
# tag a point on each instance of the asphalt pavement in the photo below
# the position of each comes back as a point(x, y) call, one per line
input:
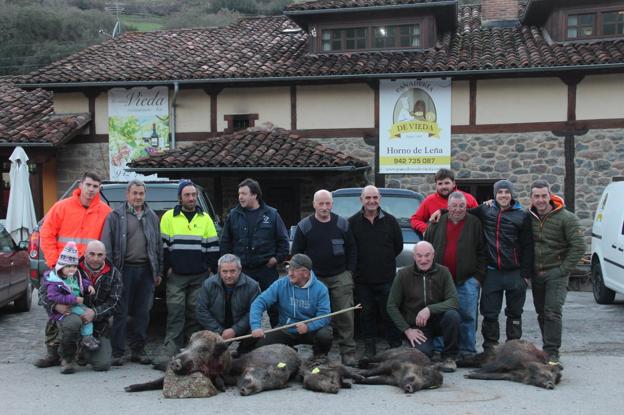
point(593, 356)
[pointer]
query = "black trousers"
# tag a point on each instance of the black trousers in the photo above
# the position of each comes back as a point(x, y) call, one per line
point(321, 339)
point(374, 298)
point(445, 325)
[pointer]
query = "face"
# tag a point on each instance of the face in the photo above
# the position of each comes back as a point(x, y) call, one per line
point(95, 255)
point(503, 198)
point(423, 256)
point(229, 273)
point(88, 189)
point(370, 199)
point(246, 198)
point(298, 276)
point(540, 198)
point(69, 270)
point(188, 198)
point(323, 205)
point(445, 187)
point(136, 196)
point(457, 209)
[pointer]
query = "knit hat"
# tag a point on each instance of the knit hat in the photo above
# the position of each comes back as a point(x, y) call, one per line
point(300, 261)
point(183, 184)
point(504, 184)
point(69, 256)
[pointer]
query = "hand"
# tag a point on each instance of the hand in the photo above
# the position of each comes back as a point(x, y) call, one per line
point(257, 333)
point(87, 316)
point(62, 308)
point(302, 328)
point(79, 300)
point(435, 216)
point(415, 336)
point(91, 290)
point(422, 317)
point(489, 203)
point(228, 334)
point(157, 280)
point(272, 262)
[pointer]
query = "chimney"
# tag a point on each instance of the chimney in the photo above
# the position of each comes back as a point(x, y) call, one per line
point(499, 13)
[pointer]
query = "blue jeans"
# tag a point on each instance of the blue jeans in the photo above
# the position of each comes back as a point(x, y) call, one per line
point(137, 297)
point(468, 295)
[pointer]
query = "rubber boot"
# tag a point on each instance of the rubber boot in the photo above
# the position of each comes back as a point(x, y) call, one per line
point(51, 358)
point(514, 329)
point(491, 332)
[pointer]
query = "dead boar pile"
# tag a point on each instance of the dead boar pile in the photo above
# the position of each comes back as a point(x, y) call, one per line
point(205, 367)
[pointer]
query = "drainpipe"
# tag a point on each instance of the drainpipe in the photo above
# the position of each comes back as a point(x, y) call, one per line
point(176, 89)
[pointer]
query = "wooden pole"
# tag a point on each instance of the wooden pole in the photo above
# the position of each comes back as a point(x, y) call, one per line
point(287, 326)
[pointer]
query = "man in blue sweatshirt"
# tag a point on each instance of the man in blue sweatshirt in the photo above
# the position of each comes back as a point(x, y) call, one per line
point(299, 297)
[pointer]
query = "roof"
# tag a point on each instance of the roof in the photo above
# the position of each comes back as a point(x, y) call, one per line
point(252, 149)
point(260, 49)
point(352, 4)
point(27, 118)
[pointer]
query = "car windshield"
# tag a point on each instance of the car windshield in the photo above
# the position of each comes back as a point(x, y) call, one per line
point(400, 207)
point(159, 198)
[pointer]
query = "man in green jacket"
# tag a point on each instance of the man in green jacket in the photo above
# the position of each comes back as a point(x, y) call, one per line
point(559, 245)
point(423, 304)
point(460, 246)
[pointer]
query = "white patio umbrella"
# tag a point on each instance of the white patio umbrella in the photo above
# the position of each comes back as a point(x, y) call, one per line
point(21, 219)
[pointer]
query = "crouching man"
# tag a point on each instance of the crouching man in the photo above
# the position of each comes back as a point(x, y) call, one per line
point(62, 336)
point(299, 297)
point(423, 304)
point(225, 299)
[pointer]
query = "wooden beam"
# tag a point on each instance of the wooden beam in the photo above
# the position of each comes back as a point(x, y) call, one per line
point(92, 94)
point(472, 118)
point(293, 107)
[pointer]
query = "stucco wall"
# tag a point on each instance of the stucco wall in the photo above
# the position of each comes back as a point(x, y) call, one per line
point(502, 101)
point(101, 113)
point(70, 102)
point(192, 111)
point(271, 104)
point(600, 97)
point(460, 103)
point(335, 106)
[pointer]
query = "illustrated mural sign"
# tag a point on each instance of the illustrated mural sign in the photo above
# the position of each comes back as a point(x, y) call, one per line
point(414, 125)
point(138, 126)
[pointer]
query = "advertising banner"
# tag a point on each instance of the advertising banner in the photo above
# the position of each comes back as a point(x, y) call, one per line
point(138, 125)
point(414, 125)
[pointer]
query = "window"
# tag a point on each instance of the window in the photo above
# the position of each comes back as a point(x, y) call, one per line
point(237, 122)
point(481, 189)
point(400, 36)
point(378, 36)
point(595, 24)
point(344, 39)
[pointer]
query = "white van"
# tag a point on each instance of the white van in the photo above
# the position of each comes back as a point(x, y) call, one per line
point(608, 244)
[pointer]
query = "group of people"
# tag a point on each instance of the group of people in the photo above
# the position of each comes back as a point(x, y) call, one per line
point(105, 265)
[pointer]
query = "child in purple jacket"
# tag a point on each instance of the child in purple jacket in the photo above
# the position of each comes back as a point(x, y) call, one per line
point(66, 286)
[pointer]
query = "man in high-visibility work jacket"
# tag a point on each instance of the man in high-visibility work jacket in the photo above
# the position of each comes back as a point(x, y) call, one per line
point(191, 250)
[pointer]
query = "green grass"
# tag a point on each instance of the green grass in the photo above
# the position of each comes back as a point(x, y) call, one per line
point(143, 23)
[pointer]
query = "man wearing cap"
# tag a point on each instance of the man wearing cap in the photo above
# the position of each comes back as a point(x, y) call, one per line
point(328, 240)
point(255, 232)
point(299, 297)
point(191, 249)
point(509, 241)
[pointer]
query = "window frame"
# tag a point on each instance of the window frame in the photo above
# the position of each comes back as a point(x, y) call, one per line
point(598, 13)
point(232, 118)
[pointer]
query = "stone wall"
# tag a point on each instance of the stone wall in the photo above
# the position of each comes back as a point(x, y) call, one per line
point(73, 160)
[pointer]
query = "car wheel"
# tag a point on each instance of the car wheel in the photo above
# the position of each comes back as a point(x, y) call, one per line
point(24, 301)
point(602, 294)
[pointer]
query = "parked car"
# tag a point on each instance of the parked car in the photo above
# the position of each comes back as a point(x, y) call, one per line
point(160, 195)
point(607, 247)
point(400, 203)
point(14, 282)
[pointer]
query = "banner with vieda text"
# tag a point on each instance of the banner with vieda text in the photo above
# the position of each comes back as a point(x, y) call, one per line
point(414, 125)
point(138, 126)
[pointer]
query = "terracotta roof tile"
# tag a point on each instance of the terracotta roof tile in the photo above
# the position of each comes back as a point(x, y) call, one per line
point(28, 117)
point(261, 48)
point(253, 148)
point(347, 4)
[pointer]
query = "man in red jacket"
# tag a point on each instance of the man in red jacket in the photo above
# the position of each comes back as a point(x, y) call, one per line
point(445, 185)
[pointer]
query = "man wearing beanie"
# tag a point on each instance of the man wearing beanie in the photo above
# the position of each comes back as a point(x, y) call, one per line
point(509, 240)
point(191, 249)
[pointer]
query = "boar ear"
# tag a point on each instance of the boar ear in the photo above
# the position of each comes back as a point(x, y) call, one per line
point(220, 348)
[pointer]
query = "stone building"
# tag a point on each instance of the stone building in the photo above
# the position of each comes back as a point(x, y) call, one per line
point(535, 89)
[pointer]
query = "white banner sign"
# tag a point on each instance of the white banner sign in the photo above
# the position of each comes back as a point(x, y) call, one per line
point(414, 125)
point(138, 126)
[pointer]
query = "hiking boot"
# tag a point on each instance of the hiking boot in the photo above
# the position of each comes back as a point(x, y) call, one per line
point(448, 365)
point(81, 358)
point(161, 363)
point(139, 356)
point(553, 360)
point(436, 357)
point(90, 343)
point(67, 367)
point(50, 359)
point(348, 359)
point(370, 349)
point(393, 344)
point(118, 361)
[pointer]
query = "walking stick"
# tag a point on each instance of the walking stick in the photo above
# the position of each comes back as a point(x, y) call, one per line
point(287, 326)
